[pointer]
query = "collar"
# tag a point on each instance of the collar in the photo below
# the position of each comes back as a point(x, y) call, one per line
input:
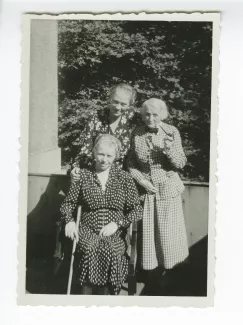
point(151, 130)
point(111, 175)
point(127, 114)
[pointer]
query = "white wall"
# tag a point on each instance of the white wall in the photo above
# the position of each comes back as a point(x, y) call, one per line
point(195, 202)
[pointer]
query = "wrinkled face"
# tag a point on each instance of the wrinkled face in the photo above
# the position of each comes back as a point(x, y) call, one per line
point(152, 116)
point(119, 102)
point(105, 155)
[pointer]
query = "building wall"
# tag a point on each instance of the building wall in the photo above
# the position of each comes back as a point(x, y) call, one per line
point(46, 192)
point(195, 200)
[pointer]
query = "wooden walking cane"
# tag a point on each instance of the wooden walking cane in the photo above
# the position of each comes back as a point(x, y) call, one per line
point(73, 251)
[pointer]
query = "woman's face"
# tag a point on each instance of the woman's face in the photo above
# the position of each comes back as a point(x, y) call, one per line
point(152, 116)
point(119, 102)
point(105, 155)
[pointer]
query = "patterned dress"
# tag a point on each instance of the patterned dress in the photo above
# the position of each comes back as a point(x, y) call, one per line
point(98, 123)
point(164, 238)
point(103, 260)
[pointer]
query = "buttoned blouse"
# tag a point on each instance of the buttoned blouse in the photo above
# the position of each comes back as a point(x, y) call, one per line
point(118, 203)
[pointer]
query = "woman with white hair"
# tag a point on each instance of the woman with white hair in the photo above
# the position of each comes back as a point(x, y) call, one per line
point(110, 202)
point(155, 156)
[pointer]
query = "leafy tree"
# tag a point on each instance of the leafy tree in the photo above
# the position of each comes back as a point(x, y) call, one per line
point(168, 60)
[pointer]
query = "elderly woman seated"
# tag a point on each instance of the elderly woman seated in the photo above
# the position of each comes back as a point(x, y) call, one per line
point(110, 203)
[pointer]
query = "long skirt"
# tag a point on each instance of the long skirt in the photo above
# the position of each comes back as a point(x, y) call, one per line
point(164, 238)
point(101, 260)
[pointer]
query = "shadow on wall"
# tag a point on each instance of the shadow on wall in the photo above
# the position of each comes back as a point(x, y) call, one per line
point(43, 230)
point(43, 218)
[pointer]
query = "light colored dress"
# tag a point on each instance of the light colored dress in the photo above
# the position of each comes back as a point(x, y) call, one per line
point(164, 238)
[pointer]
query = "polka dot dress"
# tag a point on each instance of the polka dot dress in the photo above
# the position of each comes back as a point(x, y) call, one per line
point(103, 260)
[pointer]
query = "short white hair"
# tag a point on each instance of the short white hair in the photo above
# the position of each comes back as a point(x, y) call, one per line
point(110, 140)
point(155, 102)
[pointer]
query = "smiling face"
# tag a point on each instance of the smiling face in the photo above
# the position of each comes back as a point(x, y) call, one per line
point(104, 154)
point(119, 102)
point(152, 116)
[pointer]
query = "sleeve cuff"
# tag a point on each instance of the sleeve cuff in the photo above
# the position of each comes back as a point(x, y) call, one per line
point(68, 219)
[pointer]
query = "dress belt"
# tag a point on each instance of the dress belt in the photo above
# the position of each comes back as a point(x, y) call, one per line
point(102, 209)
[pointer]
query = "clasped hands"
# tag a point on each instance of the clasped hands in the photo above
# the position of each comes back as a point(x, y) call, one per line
point(165, 143)
point(71, 230)
point(168, 142)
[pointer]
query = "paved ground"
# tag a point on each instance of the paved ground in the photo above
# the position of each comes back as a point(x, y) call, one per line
point(189, 279)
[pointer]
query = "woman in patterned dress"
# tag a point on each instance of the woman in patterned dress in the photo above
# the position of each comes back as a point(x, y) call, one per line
point(110, 202)
point(155, 157)
point(118, 119)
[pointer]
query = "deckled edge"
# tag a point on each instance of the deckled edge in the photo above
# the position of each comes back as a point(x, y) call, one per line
point(119, 301)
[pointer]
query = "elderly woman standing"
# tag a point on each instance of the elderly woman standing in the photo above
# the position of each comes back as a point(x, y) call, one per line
point(155, 157)
point(118, 118)
point(110, 202)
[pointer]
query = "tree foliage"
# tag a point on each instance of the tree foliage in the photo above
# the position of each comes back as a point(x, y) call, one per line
point(167, 60)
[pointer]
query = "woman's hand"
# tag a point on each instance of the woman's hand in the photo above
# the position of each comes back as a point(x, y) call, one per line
point(71, 230)
point(109, 229)
point(75, 174)
point(148, 186)
point(168, 142)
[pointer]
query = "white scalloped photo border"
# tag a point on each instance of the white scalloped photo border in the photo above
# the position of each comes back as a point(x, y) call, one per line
point(25, 299)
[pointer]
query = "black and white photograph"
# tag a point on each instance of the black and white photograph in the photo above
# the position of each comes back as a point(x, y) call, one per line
point(118, 159)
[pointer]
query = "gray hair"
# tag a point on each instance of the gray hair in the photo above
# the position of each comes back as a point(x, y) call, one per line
point(155, 102)
point(109, 139)
point(127, 88)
